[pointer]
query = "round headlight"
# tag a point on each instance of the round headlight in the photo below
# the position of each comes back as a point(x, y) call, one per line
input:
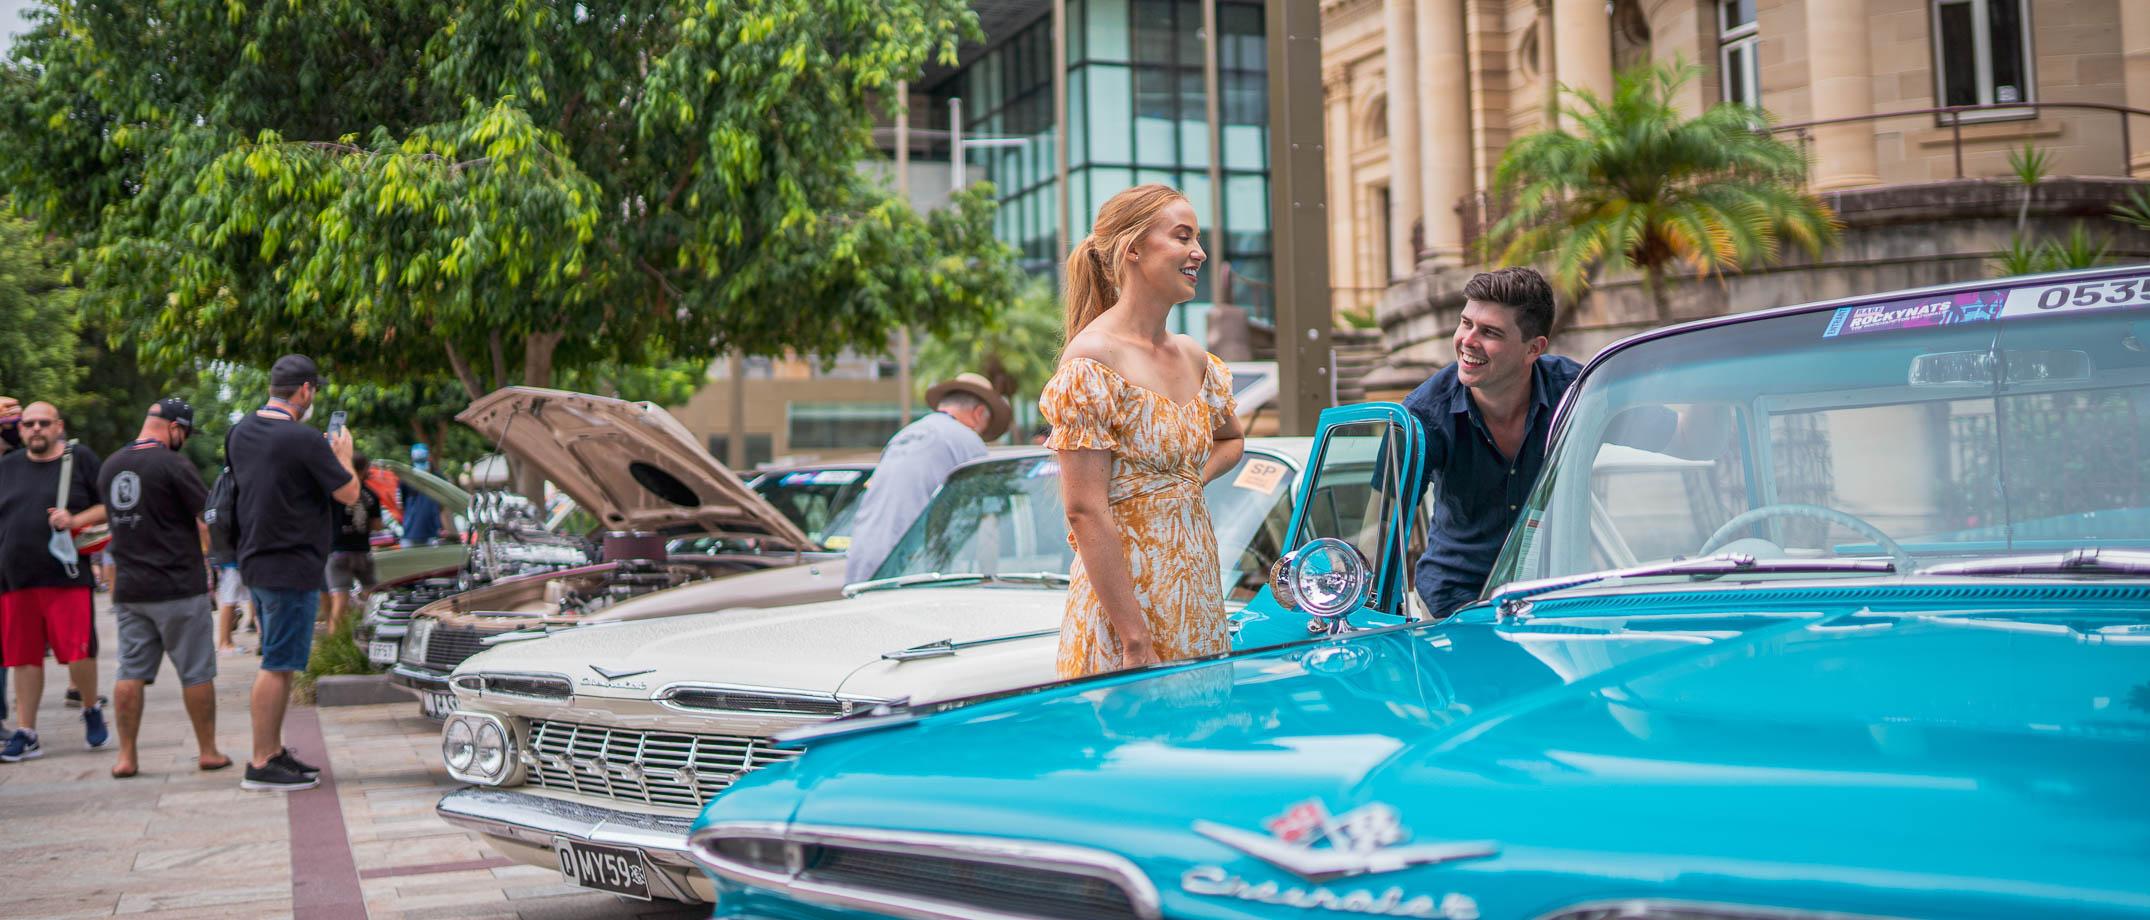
point(491, 760)
point(458, 745)
point(1329, 578)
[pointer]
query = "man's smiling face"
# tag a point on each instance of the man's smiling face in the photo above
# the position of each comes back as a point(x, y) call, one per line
point(1490, 348)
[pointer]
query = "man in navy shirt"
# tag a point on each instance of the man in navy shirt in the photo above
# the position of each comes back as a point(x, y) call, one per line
point(1487, 418)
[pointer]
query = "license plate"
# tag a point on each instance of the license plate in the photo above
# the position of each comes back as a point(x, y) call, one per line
point(620, 870)
point(380, 652)
point(436, 705)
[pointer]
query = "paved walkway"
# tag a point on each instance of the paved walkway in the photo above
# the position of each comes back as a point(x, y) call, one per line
point(174, 842)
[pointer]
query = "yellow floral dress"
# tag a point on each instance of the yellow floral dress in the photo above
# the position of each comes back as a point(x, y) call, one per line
point(1159, 448)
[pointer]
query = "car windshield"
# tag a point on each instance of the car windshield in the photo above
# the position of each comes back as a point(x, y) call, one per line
point(1004, 516)
point(822, 502)
point(1924, 431)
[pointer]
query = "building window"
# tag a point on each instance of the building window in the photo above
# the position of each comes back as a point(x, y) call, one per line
point(1384, 231)
point(1737, 63)
point(1982, 53)
point(827, 426)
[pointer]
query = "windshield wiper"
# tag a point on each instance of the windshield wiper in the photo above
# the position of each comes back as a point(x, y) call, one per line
point(1509, 599)
point(2085, 561)
point(1056, 579)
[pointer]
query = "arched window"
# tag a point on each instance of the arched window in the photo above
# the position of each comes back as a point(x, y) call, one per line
point(1377, 119)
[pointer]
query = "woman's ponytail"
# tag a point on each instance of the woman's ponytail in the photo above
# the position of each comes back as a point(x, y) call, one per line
point(1093, 269)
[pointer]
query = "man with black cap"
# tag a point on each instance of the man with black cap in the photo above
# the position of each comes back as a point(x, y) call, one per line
point(289, 483)
point(153, 500)
point(966, 412)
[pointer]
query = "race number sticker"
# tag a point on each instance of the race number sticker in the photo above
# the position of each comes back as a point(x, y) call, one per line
point(1261, 476)
point(2081, 296)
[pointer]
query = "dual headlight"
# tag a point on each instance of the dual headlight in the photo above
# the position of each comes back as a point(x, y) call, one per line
point(478, 748)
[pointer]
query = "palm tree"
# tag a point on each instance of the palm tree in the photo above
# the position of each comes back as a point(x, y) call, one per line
point(1640, 186)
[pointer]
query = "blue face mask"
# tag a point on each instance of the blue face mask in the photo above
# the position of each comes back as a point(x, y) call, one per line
point(422, 465)
point(62, 547)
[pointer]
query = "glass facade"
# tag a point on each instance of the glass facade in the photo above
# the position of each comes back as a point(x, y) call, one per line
point(1136, 114)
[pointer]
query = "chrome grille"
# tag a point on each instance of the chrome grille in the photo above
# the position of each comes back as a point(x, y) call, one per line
point(1029, 891)
point(654, 768)
point(449, 645)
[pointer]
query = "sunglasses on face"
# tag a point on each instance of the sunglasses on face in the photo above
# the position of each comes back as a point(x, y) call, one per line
point(40, 423)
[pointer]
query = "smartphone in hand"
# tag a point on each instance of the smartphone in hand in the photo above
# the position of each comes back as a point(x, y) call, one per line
point(335, 422)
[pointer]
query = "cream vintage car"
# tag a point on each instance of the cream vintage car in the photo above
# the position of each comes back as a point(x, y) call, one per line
point(592, 749)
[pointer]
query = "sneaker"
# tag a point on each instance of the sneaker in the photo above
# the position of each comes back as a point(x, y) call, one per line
point(22, 745)
point(274, 776)
point(93, 724)
point(74, 698)
point(294, 764)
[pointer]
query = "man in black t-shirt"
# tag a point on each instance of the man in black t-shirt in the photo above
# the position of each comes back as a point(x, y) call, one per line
point(350, 558)
point(290, 481)
point(161, 596)
point(45, 601)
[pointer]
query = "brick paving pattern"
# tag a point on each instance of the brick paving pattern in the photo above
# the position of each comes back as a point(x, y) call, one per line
point(174, 842)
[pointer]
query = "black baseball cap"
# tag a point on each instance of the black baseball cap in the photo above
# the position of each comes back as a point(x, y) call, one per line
point(174, 410)
point(292, 370)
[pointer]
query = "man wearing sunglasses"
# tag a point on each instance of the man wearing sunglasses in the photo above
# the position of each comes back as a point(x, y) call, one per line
point(44, 587)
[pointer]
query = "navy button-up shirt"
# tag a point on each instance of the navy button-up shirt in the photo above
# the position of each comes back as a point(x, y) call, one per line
point(1478, 492)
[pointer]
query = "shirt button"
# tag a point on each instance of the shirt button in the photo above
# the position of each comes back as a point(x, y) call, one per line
point(1511, 507)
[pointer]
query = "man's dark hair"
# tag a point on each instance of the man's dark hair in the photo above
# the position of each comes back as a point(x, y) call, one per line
point(360, 462)
point(1521, 288)
point(285, 392)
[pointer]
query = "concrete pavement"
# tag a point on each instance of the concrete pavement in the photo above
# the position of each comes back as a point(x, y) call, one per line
point(174, 842)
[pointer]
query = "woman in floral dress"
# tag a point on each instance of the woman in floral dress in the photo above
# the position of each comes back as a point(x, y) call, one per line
point(1142, 419)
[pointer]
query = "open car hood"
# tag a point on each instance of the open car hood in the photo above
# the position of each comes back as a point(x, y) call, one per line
point(631, 464)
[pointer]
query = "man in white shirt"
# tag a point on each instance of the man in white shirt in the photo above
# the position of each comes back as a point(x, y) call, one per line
point(967, 412)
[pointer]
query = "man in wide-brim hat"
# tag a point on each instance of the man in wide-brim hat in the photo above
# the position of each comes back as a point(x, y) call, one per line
point(967, 411)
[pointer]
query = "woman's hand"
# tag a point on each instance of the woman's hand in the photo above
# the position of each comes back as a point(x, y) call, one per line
point(1135, 653)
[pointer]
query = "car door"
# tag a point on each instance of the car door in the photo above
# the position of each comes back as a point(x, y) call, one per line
point(1363, 481)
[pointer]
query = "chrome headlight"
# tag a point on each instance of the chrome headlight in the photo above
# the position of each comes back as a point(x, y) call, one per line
point(479, 748)
point(1327, 578)
point(458, 745)
point(420, 636)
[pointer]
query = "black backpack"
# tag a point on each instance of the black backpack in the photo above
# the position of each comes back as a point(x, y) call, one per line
point(222, 513)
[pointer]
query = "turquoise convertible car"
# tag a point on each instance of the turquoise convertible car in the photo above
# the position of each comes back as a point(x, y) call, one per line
point(1872, 640)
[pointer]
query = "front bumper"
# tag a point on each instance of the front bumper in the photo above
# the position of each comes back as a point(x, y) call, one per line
point(525, 826)
point(418, 679)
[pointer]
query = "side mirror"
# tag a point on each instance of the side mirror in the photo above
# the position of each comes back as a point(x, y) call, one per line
point(1327, 578)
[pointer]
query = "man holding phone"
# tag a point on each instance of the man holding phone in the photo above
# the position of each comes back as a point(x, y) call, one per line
point(290, 483)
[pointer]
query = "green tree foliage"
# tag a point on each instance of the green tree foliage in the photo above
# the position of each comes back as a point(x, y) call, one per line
point(1640, 186)
point(395, 186)
point(37, 312)
point(1016, 349)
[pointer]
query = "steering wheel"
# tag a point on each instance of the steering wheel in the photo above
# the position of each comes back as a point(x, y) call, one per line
point(1740, 522)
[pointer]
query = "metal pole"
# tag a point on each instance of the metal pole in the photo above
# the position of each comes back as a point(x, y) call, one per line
point(1222, 296)
point(903, 190)
point(1066, 223)
point(1298, 213)
point(955, 145)
point(736, 451)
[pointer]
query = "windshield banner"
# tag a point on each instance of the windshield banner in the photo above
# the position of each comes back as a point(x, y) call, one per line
point(1948, 310)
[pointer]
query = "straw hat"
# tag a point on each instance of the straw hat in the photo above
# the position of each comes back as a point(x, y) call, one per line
point(976, 385)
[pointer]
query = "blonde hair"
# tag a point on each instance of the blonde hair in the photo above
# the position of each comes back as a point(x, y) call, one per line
point(1093, 269)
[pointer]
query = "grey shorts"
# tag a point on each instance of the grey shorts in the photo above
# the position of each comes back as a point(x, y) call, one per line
point(350, 570)
point(230, 590)
point(184, 629)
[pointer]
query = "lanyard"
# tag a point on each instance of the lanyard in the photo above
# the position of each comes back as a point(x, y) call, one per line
point(283, 410)
point(144, 442)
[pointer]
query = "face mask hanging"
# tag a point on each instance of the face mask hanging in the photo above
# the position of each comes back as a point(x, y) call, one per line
point(62, 544)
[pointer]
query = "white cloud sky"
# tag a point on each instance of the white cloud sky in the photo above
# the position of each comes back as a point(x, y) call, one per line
point(11, 20)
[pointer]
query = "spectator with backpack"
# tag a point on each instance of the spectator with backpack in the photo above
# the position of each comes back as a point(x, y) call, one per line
point(232, 602)
point(287, 482)
point(48, 490)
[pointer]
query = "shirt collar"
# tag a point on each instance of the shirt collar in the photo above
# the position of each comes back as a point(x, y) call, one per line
point(1459, 396)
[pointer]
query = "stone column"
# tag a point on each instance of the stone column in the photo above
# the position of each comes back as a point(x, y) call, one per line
point(1840, 74)
point(1401, 61)
point(1343, 265)
point(1444, 128)
point(1582, 46)
point(2135, 70)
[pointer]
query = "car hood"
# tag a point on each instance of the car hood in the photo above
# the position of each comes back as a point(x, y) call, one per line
point(448, 495)
point(631, 464)
point(808, 647)
point(1755, 756)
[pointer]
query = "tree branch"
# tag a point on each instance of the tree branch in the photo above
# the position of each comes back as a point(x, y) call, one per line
point(469, 378)
point(500, 360)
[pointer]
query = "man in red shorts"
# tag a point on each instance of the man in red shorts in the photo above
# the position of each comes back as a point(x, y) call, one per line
point(45, 601)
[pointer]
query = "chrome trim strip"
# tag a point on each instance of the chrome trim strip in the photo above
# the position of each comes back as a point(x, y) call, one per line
point(1639, 907)
point(1098, 864)
point(482, 691)
point(664, 694)
point(412, 679)
point(535, 820)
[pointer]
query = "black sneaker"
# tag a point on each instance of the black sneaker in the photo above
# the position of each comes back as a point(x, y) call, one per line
point(74, 698)
point(294, 764)
point(276, 777)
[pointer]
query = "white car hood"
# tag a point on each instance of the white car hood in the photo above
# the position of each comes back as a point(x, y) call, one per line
point(631, 464)
point(810, 648)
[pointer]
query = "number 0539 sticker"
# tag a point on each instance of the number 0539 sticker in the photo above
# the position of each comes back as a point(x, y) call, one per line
point(2106, 294)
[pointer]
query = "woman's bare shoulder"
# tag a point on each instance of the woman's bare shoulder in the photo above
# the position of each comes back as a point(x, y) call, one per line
point(1094, 345)
point(1191, 352)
